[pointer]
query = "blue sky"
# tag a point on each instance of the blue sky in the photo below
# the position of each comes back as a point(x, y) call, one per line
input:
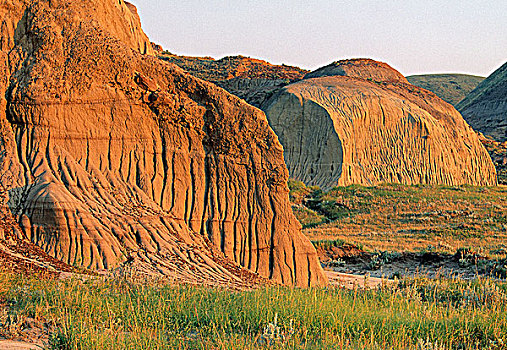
point(458, 36)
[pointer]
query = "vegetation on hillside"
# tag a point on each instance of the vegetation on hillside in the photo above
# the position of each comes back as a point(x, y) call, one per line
point(231, 67)
point(451, 88)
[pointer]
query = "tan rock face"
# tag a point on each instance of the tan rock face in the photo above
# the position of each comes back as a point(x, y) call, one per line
point(116, 156)
point(485, 108)
point(341, 130)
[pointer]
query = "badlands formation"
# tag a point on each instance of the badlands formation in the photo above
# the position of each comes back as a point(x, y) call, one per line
point(355, 121)
point(453, 88)
point(110, 156)
point(485, 108)
point(361, 122)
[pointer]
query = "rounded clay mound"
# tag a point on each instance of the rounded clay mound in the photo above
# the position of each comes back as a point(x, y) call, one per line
point(370, 128)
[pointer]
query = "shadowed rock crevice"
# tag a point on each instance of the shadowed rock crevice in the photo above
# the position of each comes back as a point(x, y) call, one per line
point(312, 149)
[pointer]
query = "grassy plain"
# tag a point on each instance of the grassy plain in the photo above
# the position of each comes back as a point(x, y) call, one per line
point(406, 218)
point(117, 314)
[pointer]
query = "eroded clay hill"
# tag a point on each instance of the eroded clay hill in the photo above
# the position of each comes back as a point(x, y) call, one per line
point(361, 122)
point(251, 79)
point(485, 108)
point(451, 88)
point(110, 156)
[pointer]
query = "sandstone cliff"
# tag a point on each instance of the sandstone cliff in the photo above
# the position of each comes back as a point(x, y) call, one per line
point(452, 88)
point(485, 108)
point(250, 79)
point(360, 122)
point(118, 157)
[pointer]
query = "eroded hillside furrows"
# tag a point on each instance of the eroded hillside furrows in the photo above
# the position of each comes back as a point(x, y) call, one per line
point(121, 158)
point(313, 151)
point(368, 125)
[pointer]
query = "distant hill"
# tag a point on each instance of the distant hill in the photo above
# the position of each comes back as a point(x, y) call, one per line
point(248, 78)
point(485, 108)
point(451, 88)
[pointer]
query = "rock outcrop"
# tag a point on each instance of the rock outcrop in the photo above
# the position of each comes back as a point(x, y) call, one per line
point(361, 122)
point(250, 79)
point(485, 108)
point(114, 157)
point(452, 88)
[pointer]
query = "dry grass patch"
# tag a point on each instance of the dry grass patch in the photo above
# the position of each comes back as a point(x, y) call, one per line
point(409, 218)
point(117, 314)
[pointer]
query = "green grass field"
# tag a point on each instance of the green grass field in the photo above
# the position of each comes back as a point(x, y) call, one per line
point(113, 314)
point(406, 218)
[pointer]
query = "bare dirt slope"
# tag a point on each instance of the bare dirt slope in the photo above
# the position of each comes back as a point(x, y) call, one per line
point(453, 88)
point(498, 152)
point(116, 156)
point(361, 122)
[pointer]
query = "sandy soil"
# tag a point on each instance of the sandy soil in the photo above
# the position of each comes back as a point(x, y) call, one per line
point(355, 281)
point(17, 345)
